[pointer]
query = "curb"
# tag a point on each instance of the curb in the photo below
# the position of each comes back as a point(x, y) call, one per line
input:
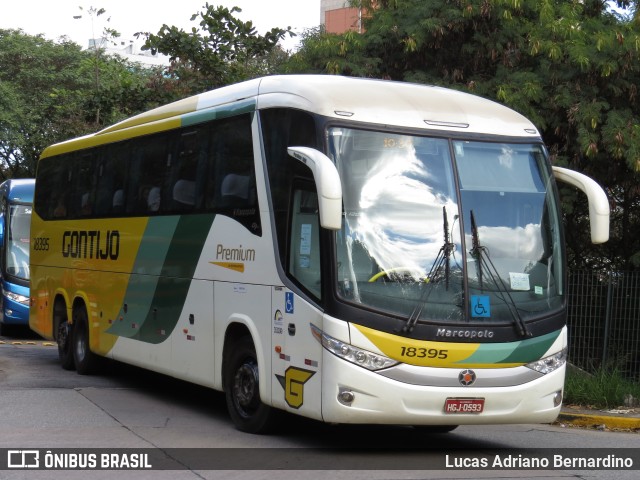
point(44, 343)
point(610, 422)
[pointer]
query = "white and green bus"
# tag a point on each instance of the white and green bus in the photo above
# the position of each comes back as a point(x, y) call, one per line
point(349, 250)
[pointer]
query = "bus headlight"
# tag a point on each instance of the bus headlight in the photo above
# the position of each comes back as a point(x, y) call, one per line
point(17, 298)
point(549, 364)
point(364, 358)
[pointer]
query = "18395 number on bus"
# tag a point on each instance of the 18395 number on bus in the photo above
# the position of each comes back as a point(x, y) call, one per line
point(417, 352)
point(41, 243)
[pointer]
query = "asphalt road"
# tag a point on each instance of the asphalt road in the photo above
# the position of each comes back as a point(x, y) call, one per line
point(186, 428)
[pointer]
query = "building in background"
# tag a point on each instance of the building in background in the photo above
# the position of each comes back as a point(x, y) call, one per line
point(131, 51)
point(338, 17)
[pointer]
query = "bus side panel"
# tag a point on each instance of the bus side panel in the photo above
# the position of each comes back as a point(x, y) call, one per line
point(192, 347)
point(248, 305)
point(297, 355)
point(184, 351)
point(156, 357)
point(231, 253)
point(82, 259)
point(40, 313)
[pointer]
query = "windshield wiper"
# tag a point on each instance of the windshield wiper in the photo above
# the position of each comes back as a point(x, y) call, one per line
point(483, 261)
point(443, 260)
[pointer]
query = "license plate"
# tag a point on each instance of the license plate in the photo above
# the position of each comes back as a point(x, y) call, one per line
point(464, 405)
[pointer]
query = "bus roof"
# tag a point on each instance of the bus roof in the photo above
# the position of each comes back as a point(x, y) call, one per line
point(18, 190)
point(381, 102)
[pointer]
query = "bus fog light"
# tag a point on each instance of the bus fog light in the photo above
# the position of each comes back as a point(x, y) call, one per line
point(346, 397)
point(557, 398)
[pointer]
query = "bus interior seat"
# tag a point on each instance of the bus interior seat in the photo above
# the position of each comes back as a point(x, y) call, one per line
point(118, 201)
point(153, 199)
point(235, 190)
point(184, 192)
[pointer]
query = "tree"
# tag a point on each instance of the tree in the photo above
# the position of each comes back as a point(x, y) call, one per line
point(98, 45)
point(223, 50)
point(572, 67)
point(39, 80)
point(48, 94)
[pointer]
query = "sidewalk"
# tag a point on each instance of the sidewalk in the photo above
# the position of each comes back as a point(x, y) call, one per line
point(616, 419)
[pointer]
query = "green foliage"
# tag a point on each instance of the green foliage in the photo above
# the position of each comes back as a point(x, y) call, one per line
point(323, 52)
point(606, 388)
point(223, 50)
point(50, 92)
point(38, 79)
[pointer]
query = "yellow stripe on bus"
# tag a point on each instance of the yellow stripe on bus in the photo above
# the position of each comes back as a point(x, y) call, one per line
point(237, 267)
point(420, 352)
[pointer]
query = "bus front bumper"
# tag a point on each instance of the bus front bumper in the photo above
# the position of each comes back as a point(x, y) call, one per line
point(14, 313)
point(376, 399)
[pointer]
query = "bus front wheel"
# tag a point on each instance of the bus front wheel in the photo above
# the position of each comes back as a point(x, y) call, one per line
point(85, 360)
point(242, 389)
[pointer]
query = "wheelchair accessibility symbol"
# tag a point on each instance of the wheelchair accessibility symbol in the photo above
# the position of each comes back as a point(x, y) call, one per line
point(288, 298)
point(480, 306)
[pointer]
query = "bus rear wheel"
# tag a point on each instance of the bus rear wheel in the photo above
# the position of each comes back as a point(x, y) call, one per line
point(63, 336)
point(85, 360)
point(65, 354)
point(242, 389)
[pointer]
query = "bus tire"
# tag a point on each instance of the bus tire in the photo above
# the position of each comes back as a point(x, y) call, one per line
point(65, 353)
point(64, 332)
point(85, 360)
point(242, 389)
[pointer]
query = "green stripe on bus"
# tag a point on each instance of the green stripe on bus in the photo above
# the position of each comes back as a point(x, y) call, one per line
point(144, 278)
point(155, 244)
point(524, 351)
point(200, 116)
point(532, 349)
point(177, 271)
point(155, 301)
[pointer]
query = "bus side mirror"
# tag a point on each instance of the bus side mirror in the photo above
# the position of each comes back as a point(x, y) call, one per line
point(598, 202)
point(1, 229)
point(328, 185)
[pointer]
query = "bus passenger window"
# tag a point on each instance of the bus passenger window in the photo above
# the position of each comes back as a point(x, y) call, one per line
point(189, 171)
point(152, 161)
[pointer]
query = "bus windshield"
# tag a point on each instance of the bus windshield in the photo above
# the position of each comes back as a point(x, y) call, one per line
point(18, 235)
point(439, 230)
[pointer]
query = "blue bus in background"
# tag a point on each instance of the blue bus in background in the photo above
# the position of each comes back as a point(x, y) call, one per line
point(16, 199)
